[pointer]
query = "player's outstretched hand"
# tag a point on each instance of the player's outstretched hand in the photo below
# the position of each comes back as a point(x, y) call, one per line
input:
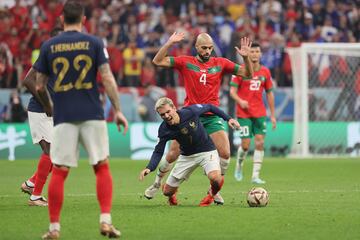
point(234, 124)
point(273, 122)
point(245, 45)
point(121, 120)
point(176, 37)
point(143, 173)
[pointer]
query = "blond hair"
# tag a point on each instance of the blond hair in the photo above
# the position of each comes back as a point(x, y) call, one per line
point(162, 102)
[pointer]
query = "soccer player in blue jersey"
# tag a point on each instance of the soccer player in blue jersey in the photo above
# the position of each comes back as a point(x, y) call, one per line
point(41, 132)
point(70, 62)
point(196, 147)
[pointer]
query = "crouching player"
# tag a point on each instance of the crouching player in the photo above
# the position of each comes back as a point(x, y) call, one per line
point(196, 147)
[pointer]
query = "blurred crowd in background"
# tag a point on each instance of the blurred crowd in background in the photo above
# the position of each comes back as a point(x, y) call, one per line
point(134, 30)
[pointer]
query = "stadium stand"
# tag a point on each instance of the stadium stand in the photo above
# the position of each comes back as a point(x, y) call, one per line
point(275, 24)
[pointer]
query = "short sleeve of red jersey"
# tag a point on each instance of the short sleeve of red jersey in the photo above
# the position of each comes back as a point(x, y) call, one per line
point(177, 62)
point(268, 81)
point(235, 81)
point(229, 66)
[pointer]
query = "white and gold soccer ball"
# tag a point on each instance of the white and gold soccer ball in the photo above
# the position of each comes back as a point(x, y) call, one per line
point(257, 197)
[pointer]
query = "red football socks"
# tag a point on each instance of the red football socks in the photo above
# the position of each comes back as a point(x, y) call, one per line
point(104, 187)
point(56, 193)
point(43, 169)
point(33, 178)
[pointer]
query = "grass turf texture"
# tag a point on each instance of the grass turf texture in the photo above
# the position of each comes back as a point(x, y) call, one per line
point(309, 199)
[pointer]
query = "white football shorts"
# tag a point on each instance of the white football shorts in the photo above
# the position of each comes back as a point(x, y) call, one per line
point(185, 165)
point(92, 134)
point(41, 127)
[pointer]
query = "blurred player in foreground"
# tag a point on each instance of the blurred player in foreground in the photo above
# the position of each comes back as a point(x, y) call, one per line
point(251, 112)
point(41, 127)
point(70, 62)
point(196, 147)
point(202, 76)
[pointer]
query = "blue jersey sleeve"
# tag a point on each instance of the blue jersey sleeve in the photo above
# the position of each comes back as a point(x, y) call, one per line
point(102, 54)
point(158, 152)
point(199, 109)
point(42, 63)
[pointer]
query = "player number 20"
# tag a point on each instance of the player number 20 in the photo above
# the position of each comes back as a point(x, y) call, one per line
point(203, 78)
point(79, 84)
point(255, 85)
point(244, 131)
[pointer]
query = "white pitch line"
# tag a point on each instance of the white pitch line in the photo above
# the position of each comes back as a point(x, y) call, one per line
point(186, 192)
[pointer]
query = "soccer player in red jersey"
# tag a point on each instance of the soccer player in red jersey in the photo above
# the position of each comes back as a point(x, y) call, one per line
point(202, 76)
point(251, 112)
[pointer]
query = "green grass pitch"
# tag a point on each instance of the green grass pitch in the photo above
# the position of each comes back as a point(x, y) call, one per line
point(309, 199)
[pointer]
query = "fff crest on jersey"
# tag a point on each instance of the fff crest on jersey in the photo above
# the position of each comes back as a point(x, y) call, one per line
point(184, 131)
point(192, 124)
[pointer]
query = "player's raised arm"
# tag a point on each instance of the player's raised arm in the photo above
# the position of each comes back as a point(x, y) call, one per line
point(244, 51)
point(41, 82)
point(111, 90)
point(161, 59)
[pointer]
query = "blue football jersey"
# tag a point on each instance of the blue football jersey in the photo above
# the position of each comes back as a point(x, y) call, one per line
point(71, 61)
point(189, 133)
point(34, 105)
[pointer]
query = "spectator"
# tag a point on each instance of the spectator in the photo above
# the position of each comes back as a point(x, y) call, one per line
point(328, 30)
point(6, 66)
point(150, 22)
point(116, 61)
point(146, 107)
point(148, 74)
point(306, 28)
point(133, 57)
point(273, 54)
point(152, 45)
point(16, 112)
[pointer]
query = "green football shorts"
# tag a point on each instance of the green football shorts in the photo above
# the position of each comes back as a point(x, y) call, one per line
point(212, 123)
point(252, 126)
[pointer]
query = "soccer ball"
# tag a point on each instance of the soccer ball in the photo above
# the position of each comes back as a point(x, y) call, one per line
point(257, 197)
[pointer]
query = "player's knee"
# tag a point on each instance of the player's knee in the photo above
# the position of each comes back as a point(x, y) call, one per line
point(245, 148)
point(215, 176)
point(171, 156)
point(259, 144)
point(245, 144)
point(224, 154)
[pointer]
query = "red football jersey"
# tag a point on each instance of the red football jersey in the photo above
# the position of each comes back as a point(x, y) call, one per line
point(202, 80)
point(251, 90)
